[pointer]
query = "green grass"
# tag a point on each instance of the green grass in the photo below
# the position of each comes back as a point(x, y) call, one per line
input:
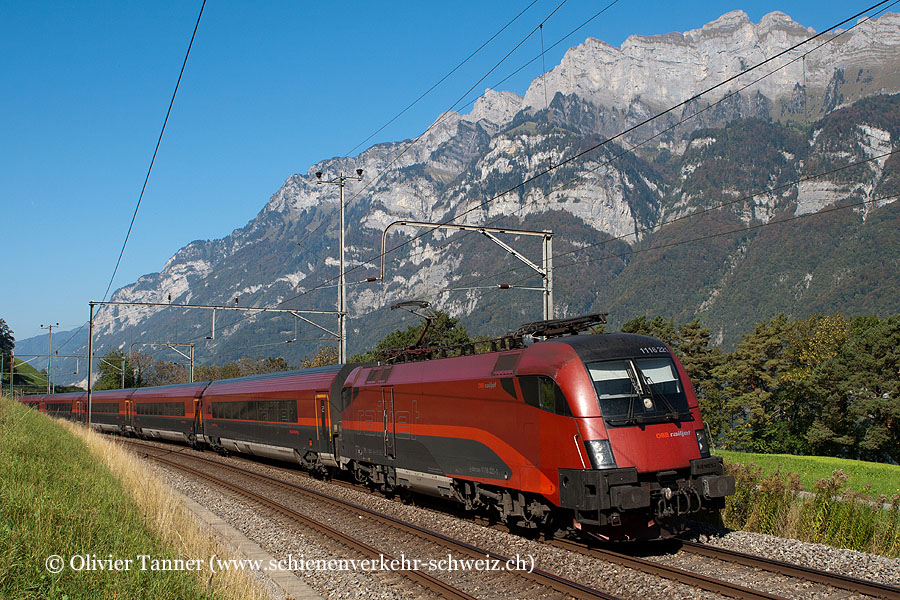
point(31, 381)
point(28, 375)
point(883, 478)
point(56, 499)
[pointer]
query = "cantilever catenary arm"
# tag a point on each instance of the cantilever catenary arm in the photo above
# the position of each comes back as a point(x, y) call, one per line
point(546, 272)
point(484, 230)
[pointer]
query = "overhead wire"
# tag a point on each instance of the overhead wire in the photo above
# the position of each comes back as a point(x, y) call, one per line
point(600, 144)
point(621, 134)
point(704, 211)
point(666, 130)
point(749, 227)
point(496, 86)
point(328, 218)
point(155, 150)
point(150, 168)
point(444, 78)
point(594, 147)
point(709, 209)
point(444, 116)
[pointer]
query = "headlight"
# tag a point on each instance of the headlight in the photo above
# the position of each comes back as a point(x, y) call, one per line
point(600, 453)
point(702, 443)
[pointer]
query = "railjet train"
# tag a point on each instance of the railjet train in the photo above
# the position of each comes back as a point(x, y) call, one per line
point(600, 433)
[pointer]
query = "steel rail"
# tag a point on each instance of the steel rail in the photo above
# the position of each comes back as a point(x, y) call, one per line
point(845, 582)
point(432, 583)
point(539, 576)
point(717, 586)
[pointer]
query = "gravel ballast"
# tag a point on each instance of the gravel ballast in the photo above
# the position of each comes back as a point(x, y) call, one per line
point(272, 535)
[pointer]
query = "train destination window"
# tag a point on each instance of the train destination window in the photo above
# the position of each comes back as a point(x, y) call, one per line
point(643, 390)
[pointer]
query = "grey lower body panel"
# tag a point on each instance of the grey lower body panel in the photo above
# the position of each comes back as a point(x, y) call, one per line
point(601, 497)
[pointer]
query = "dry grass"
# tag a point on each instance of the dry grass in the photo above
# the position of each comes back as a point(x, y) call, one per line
point(165, 514)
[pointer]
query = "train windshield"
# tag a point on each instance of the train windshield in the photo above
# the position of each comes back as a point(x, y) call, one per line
point(639, 391)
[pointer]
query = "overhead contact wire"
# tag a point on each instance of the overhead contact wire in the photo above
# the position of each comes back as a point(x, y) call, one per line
point(599, 145)
point(149, 169)
point(155, 151)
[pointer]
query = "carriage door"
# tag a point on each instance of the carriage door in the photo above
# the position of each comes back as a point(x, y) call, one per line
point(197, 427)
point(323, 421)
point(390, 435)
point(128, 409)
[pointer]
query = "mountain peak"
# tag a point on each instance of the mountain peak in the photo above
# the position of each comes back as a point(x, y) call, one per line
point(496, 107)
point(663, 70)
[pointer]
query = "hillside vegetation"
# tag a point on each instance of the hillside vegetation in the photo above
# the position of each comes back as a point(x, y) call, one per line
point(826, 385)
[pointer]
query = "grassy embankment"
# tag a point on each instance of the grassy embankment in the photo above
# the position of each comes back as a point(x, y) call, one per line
point(846, 508)
point(31, 381)
point(66, 491)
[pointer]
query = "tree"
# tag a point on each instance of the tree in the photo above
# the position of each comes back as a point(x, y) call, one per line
point(323, 358)
point(814, 406)
point(872, 386)
point(166, 372)
point(445, 331)
point(7, 341)
point(109, 370)
point(242, 368)
point(750, 378)
point(692, 347)
point(658, 328)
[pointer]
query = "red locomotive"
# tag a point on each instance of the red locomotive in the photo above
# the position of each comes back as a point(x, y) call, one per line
point(597, 432)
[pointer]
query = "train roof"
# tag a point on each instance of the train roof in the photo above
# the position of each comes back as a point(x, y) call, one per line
point(607, 346)
point(281, 374)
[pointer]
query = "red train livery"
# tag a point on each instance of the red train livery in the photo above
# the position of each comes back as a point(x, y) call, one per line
point(601, 433)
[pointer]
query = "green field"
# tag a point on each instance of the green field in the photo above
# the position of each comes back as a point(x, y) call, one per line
point(28, 376)
point(57, 499)
point(31, 381)
point(883, 478)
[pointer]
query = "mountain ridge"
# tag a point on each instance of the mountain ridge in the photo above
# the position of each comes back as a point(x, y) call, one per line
point(465, 160)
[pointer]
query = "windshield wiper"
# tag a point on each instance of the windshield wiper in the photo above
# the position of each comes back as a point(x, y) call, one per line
point(671, 413)
point(630, 418)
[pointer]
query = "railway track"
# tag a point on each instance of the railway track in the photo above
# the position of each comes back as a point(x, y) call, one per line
point(836, 580)
point(733, 590)
point(710, 584)
point(544, 579)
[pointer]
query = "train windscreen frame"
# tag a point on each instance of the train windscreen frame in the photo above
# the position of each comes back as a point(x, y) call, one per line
point(639, 391)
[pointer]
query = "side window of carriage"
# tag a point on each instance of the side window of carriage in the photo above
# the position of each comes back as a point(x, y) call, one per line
point(542, 392)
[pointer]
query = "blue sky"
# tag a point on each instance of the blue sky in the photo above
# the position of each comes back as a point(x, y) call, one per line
point(270, 88)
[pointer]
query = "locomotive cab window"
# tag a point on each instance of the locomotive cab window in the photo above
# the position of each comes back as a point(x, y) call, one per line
point(638, 391)
point(542, 392)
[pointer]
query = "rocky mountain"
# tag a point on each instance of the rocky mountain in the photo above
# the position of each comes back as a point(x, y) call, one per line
point(622, 241)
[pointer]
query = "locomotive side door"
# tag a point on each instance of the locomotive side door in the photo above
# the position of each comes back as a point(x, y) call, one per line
point(323, 422)
point(388, 418)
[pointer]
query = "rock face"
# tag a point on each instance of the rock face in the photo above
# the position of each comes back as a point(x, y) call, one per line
point(663, 71)
point(472, 167)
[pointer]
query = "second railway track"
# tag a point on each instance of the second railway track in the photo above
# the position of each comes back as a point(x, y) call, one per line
point(562, 585)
